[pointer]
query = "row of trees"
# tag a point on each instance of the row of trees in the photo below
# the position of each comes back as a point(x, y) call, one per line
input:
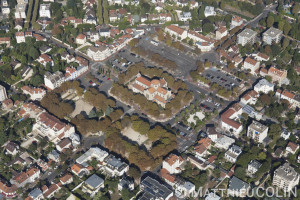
point(155, 57)
point(164, 142)
point(29, 13)
point(35, 11)
point(99, 100)
point(102, 12)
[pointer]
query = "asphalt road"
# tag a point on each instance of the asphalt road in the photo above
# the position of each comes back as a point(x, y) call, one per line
point(253, 23)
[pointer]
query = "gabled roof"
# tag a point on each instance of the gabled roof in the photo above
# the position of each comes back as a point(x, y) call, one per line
point(176, 29)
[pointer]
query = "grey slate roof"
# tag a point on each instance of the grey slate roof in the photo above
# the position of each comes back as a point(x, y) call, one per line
point(94, 181)
point(236, 184)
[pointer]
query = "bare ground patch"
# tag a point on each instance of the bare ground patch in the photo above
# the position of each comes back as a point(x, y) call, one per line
point(137, 137)
point(80, 106)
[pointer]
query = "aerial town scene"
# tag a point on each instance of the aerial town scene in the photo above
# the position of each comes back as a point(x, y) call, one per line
point(149, 99)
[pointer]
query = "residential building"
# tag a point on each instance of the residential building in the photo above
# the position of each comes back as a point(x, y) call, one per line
point(221, 32)
point(20, 12)
point(94, 36)
point(293, 99)
point(253, 166)
point(237, 187)
point(45, 49)
point(3, 95)
point(205, 46)
point(8, 191)
point(276, 74)
point(264, 86)
point(81, 39)
point(20, 37)
point(172, 163)
point(176, 31)
point(257, 131)
point(261, 57)
point(126, 183)
point(152, 189)
point(92, 185)
point(45, 59)
point(185, 16)
point(272, 35)
point(184, 189)
point(52, 127)
point(11, 148)
point(51, 191)
point(54, 80)
point(224, 142)
point(79, 170)
point(99, 53)
point(228, 122)
point(7, 104)
point(155, 90)
point(64, 144)
point(114, 166)
point(233, 153)
point(202, 147)
point(104, 32)
point(5, 40)
point(67, 57)
point(23, 178)
point(212, 196)
point(291, 148)
point(251, 64)
point(197, 37)
point(53, 155)
point(247, 36)
point(72, 73)
point(36, 194)
point(93, 152)
point(34, 93)
point(209, 11)
point(45, 10)
point(5, 7)
point(285, 177)
point(164, 17)
point(249, 97)
point(236, 21)
point(66, 179)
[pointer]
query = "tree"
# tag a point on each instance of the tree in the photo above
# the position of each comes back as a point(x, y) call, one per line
point(37, 80)
point(33, 52)
point(262, 156)
point(285, 42)
point(208, 27)
point(296, 8)
point(160, 35)
point(265, 99)
point(134, 172)
point(270, 21)
point(280, 25)
point(207, 64)
point(286, 28)
point(222, 5)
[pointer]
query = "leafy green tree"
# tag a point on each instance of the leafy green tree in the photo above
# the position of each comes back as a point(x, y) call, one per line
point(285, 42)
point(270, 21)
point(286, 28)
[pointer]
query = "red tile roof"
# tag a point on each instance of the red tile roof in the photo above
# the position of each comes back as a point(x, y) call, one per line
point(143, 81)
point(140, 88)
point(175, 29)
point(250, 61)
point(288, 94)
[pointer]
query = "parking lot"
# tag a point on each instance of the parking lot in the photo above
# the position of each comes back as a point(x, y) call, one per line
point(225, 80)
point(185, 62)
